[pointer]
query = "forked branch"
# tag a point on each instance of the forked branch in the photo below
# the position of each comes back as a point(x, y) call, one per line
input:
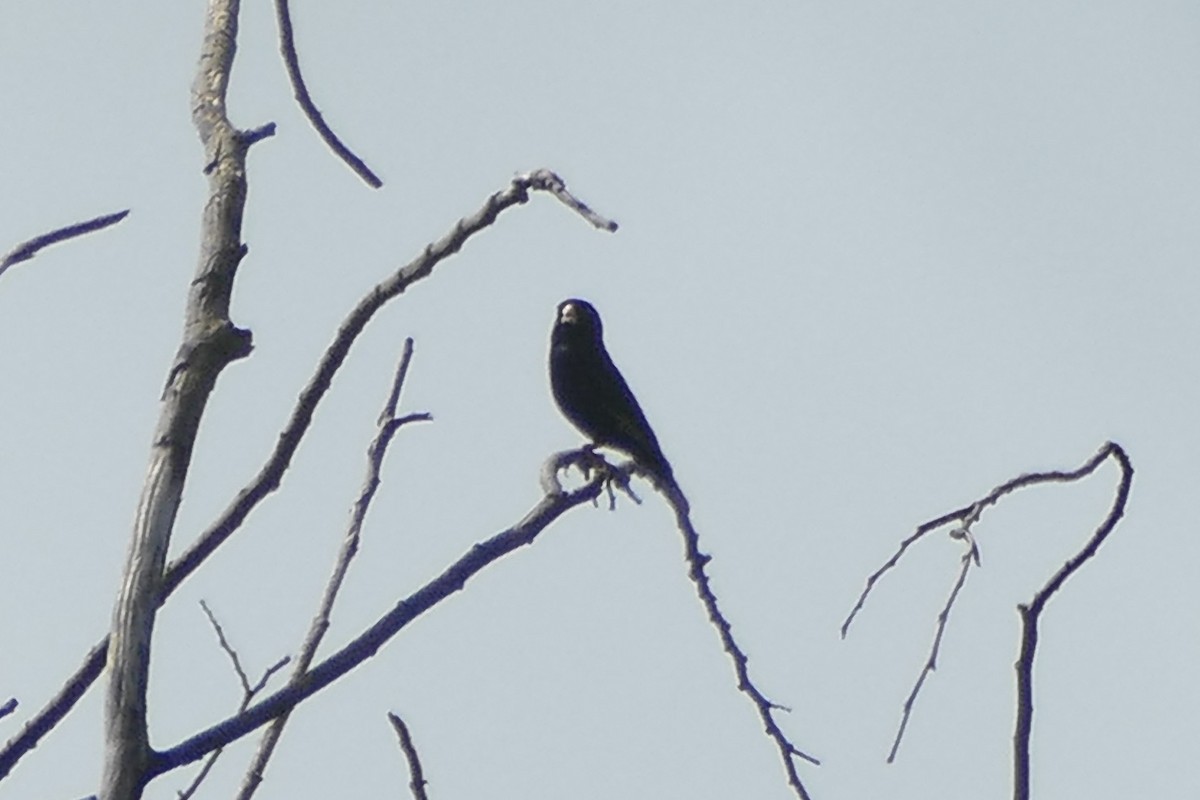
point(965, 518)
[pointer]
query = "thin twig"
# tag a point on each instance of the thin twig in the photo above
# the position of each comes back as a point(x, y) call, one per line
point(931, 662)
point(227, 648)
point(270, 476)
point(766, 708)
point(417, 780)
point(1031, 614)
point(287, 47)
point(388, 425)
point(10, 705)
point(29, 249)
point(248, 693)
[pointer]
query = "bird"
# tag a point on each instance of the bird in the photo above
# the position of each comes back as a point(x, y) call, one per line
point(593, 395)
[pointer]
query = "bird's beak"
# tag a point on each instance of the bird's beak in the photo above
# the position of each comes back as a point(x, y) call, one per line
point(569, 314)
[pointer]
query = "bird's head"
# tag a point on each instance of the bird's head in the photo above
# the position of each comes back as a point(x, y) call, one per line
point(577, 318)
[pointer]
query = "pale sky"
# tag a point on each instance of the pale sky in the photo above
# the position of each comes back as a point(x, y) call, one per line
point(874, 259)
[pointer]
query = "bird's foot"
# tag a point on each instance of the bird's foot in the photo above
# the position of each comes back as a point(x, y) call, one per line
point(591, 465)
point(618, 476)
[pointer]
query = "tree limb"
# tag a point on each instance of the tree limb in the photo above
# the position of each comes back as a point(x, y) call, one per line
point(210, 343)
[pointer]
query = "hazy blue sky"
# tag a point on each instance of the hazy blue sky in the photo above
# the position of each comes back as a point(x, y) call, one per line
point(874, 259)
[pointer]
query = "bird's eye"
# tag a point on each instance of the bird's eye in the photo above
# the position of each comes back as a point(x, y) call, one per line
point(569, 313)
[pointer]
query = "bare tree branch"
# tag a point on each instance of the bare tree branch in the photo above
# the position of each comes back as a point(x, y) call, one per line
point(29, 249)
point(1031, 615)
point(388, 425)
point(248, 693)
point(10, 705)
point(417, 781)
point(210, 343)
point(287, 47)
point(966, 517)
point(270, 476)
point(368, 643)
point(697, 560)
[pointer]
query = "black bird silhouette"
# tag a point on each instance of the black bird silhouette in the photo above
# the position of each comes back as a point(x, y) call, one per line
point(592, 394)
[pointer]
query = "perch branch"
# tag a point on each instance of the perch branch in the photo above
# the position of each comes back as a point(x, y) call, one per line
point(368, 643)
